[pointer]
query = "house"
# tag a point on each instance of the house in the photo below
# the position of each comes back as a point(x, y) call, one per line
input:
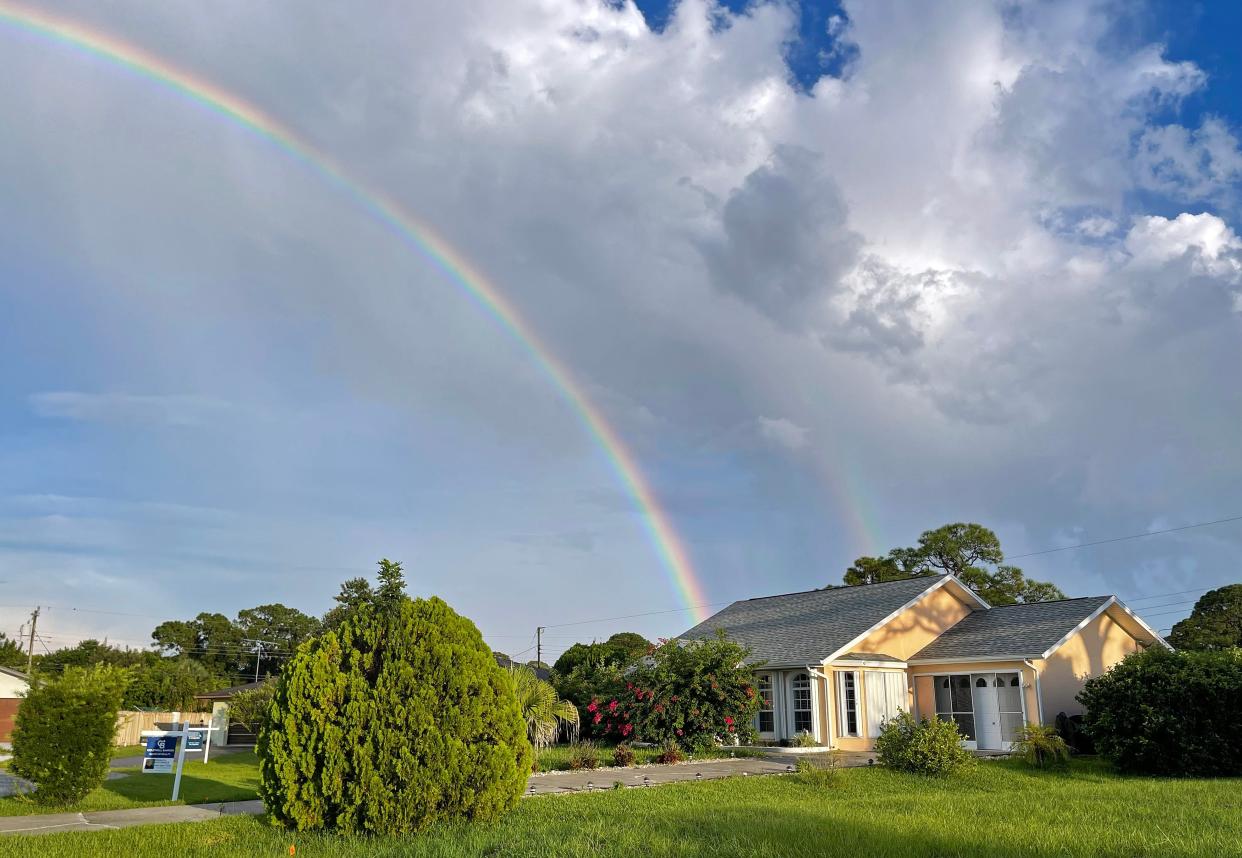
point(13, 686)
point(836, 663)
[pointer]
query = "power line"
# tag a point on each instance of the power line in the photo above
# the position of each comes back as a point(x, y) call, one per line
point(1124, 538)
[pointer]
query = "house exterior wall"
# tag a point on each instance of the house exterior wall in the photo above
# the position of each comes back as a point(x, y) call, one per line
point(11, 686)
point(917, 626)
point(1097, 647)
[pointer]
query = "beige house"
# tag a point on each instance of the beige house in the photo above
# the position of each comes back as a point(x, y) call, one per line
point(837, 663)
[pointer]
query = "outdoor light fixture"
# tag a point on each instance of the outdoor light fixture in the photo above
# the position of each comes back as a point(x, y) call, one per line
point(646, 780)
point(590, 785)
point(698, 776)
point(870, 761)
point(789, 768)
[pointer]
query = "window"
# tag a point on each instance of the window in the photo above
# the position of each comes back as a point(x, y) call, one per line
point(885, 692)
point(847, 701)
point(1009, 697)
point(802, 703)
point(767, 723)
point(955, 703)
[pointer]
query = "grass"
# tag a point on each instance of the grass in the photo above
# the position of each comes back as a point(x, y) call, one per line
point(227, 777)
point(128, 751)
point(994, 810)
point(556, 758)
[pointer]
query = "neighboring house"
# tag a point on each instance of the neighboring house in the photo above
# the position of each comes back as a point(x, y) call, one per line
point(836, 663)
point(13, 686)
point(227, 733)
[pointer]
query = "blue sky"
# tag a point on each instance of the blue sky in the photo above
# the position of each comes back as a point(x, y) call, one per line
point(836, 274)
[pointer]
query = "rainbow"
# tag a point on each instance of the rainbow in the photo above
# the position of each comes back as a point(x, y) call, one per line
point(416, 234)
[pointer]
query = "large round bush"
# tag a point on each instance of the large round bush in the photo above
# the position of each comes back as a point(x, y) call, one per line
point(398, 719)
point(65, 727)
point(929, 746)
point(1169, 712)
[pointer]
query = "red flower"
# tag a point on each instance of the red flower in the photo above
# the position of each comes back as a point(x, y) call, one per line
point(612, 706)
point(627, 729)
point(599, 716)
point(728, 720)
point(680, 732)
point(629, 686)
point(593, 706)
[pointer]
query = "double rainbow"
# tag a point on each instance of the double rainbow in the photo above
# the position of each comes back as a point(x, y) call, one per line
point(416, 235)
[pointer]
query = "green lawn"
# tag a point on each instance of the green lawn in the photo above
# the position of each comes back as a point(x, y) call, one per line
point(227, 777)
point(996, 810)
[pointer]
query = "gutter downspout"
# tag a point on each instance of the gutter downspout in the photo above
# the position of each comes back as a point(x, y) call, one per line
point(1039, 693)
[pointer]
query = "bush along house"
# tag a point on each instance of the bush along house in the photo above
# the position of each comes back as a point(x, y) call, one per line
point(836, 663)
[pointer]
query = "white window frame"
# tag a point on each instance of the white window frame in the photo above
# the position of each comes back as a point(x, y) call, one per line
point(843, 722)
point(771, 702)
point(794, 729)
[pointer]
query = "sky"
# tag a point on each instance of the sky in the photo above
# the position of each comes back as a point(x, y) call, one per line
point(834, 275)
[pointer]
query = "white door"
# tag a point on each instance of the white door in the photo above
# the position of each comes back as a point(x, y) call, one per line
point(987, 711)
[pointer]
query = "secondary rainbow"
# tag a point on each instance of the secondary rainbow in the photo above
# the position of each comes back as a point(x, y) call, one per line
point(415, 234)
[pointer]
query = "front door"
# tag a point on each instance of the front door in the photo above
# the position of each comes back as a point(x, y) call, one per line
point(987, 711)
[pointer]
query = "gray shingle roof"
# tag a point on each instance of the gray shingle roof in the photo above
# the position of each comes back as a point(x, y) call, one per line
point(803, 628)
point(1023, 630)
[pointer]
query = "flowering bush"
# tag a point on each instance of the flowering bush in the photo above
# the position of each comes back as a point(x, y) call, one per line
point(692, 695)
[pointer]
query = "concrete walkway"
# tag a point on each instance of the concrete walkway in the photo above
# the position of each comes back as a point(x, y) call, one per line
point(549, 783)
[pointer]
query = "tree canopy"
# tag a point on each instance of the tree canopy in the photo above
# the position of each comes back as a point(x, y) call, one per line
point(970, 551)
point(1215, 623)
point(621, 649)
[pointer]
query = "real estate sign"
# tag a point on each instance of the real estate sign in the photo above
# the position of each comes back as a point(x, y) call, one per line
point(158, 756)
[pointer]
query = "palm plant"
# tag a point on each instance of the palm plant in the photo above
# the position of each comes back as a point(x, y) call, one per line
point(542, 708)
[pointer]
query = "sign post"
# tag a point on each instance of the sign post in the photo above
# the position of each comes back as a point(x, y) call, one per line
point(185, 734)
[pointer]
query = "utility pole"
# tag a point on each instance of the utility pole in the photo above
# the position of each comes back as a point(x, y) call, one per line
point(258, 652)
point(34, 619)
point(538, 644)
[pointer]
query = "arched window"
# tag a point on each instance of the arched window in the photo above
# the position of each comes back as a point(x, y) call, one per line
point(981, 683)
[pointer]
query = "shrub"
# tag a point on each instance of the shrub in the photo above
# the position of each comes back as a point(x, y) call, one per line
point(693, 694)
point(397, 719)
point(583, 755)
point(804, 739)
point(1069, 728)
point(670, 752)
point(250, 708)
point(928, 747)
point(1169, 713)
point(623, 755)
point(63, 736)
point(1041, 746)
point(815, 773)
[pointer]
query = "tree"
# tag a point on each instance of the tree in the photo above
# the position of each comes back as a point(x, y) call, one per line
point(168, 683)
point(11, 653)
point(623, 648)
point(250, 708)
point(63, 736)
point(397, 719)
point(281, 627)
point(354, 593)
point(542, 709)
point(1215, 622)
point(87, 653)
point(970, 551)
point(211, 638)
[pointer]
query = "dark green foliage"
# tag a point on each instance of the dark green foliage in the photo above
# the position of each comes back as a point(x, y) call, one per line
point(587, 682)
point(1167, 712)
point(962, 549)
point(693, 694)
point(251, 708)
point(88, 653)
point(218, 642)
point(354, 593)
point(63, 737)
point(1069, 728)
point(623, 755)
point(1042, 747)
point(397, 719)
point(583, 755)
point(168, 683)
point(279, 625)
point(1215, 623)
point(11, 653)
point(622, 649)
point(924, 747)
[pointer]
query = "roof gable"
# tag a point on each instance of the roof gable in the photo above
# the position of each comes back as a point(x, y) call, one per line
point(1027, 630)
point(808, 627)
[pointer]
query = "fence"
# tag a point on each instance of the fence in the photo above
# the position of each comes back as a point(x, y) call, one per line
point(129, 725)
